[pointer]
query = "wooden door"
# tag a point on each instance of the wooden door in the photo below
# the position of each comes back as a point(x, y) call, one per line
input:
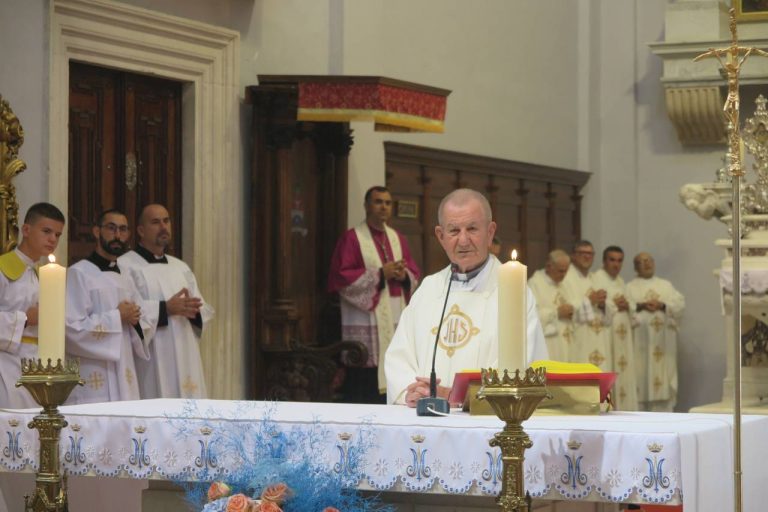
point(124, 149)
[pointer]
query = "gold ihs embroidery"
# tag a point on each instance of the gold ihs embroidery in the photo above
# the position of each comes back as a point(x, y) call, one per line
point(457, 330)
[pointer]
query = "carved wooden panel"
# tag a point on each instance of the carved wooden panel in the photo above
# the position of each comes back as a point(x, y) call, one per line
point(537, 208)
point(298, 211)
point(124, 149)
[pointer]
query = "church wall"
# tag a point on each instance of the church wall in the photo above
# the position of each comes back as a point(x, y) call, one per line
point(23, 82)
point(511, 80)
point(681, 242)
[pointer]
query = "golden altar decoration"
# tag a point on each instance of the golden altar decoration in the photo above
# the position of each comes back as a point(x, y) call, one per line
point(513, 399)
point(11, 140)
point(50, 385)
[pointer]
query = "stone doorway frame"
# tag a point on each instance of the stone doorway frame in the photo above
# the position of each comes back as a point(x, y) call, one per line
point(206, 59)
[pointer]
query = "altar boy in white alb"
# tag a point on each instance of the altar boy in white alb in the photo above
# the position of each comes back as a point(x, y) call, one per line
point(19, 289)
point(468, 338)
point(106, 323)
point(169, 287)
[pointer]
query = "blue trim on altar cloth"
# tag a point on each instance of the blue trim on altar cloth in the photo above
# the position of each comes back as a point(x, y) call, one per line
point(616, 457)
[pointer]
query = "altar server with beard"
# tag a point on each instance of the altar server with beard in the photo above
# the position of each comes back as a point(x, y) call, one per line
point(19, 289)
point(106, 323)
point(168, 286)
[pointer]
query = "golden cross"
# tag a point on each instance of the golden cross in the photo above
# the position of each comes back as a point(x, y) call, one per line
point(95, 380)
point(596, 358)
point(99, 332)
point(189, 386)
point(735, 56)
point(622, 363)
point(657, 323)
point(658, 354)
point(621, 330)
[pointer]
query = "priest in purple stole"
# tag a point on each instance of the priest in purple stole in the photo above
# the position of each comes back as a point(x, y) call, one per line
point(374, 274)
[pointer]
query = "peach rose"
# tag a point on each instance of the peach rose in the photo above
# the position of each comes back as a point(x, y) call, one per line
point(238, 503)
point(269, 506)
point(277, 493)
point(331, 509)
point(218, 490)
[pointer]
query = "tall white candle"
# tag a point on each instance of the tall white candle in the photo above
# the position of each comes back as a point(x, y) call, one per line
point(53, 282)
point(513, 276)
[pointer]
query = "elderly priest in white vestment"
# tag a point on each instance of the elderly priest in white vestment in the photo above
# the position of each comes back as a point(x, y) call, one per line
point(553, 304)
point(168, 286)
point(593, 316)
point(468, 338)
point(658, 309)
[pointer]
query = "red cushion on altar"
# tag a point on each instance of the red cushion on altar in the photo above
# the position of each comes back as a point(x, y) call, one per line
point(462, 379)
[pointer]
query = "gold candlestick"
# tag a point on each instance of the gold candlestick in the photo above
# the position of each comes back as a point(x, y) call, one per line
point(50, 386)
point(513, 400)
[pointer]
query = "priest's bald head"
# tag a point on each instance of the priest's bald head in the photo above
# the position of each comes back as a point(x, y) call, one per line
point(154, 229)
point(465, 228)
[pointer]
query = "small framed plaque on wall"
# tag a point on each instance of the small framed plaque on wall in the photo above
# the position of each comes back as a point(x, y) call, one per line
point(408, 209)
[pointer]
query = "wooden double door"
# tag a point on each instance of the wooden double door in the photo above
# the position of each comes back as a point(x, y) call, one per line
point(124, 149)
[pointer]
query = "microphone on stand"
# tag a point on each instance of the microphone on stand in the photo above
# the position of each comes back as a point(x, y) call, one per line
point(432, 405)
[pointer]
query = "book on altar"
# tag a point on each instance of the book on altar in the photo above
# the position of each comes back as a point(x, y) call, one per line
point(575, 388)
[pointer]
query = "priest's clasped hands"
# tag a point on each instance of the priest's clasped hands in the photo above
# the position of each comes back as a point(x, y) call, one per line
point(420, 389)
point(394, 270)
point(183, 304)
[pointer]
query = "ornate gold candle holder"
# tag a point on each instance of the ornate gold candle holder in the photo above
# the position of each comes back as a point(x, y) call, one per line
point(513, 399)
point(50, 386)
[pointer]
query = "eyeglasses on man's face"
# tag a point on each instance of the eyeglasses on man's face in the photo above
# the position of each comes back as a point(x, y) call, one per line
point(114, 228)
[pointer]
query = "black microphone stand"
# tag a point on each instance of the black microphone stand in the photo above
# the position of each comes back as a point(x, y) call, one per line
point(433, 405)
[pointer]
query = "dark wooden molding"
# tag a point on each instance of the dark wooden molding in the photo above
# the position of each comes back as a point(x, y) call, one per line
point(398, 152)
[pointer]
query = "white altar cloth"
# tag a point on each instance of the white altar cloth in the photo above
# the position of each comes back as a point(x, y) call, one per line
point(617, 457)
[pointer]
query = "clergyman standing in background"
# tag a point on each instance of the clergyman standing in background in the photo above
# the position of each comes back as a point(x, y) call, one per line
point(608, 279)
point(555, 309)
point(106, 323)
point(658, 309)
point(167, 284)
point(374, 274)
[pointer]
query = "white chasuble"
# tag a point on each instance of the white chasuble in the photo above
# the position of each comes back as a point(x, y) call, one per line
point(175, 368)
point(655, 341)
point(591, 337)
point(19, 290)
point(386, 312)
point(468, 338)
point(625, 389)
point(96, 335)
point(557, 331)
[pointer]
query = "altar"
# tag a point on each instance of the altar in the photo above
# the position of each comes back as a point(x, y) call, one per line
point(634, 457)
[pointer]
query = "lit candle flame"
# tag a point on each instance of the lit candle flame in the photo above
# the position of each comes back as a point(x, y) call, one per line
point(514, 254)
point(52, 258)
